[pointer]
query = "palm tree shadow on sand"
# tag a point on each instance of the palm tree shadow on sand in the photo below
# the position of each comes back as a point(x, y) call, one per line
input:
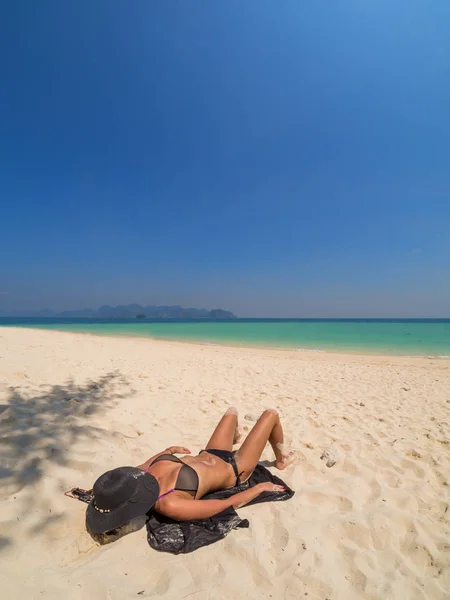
point(39, 430)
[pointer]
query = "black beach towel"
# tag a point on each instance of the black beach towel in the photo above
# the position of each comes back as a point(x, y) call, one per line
point(181, 537)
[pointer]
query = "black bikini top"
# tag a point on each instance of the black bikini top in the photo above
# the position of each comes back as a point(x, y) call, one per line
point(187, 480)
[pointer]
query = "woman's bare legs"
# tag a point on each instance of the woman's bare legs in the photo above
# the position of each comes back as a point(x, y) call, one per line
point(267, 429)
point(226, 433)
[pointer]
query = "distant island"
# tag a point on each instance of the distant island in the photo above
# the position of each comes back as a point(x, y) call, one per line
point(129, 311)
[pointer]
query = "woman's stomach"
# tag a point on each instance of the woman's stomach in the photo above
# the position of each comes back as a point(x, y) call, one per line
point(213, 473)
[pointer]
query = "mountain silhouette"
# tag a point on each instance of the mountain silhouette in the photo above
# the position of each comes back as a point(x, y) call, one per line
point(129, 311)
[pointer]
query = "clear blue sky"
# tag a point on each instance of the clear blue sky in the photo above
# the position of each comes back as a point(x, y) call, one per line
point(272, 158)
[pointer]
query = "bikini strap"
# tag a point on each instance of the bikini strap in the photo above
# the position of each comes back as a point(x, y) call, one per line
point(232, 461)
point(169, 492)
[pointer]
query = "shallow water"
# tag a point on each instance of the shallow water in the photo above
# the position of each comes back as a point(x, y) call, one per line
point(409, 337)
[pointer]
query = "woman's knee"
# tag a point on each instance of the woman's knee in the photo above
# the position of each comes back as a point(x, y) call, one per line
point(271, 413)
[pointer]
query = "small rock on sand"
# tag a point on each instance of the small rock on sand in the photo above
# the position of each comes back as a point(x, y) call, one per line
point(413, 453)
point(251, 417)
point(5, 413)
point(330, 455)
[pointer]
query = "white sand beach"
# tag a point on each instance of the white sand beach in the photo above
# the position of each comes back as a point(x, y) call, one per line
point(376, 525)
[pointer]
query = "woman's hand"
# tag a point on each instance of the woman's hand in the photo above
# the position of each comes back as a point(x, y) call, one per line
point(243, 498)
point(178, 450)
point(270, 487)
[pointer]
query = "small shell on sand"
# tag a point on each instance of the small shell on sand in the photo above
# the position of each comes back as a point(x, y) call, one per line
point(331, 455)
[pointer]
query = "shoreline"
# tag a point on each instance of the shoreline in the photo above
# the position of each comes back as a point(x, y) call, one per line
point(381, 358)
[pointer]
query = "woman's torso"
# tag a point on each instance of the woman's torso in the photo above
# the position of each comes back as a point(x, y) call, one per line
point(213, 474)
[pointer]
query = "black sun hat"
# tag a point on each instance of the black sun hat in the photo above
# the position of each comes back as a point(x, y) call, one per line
point(119, 496)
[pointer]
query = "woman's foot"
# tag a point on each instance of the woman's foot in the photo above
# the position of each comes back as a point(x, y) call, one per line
point(284, 458)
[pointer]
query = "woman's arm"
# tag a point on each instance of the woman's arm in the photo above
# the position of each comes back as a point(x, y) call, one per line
point(170, 450)
point(186, 510)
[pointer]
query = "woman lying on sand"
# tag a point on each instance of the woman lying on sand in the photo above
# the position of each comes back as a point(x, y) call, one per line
point(174, 487)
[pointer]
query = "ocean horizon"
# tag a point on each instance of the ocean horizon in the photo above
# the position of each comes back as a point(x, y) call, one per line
point(417, 337)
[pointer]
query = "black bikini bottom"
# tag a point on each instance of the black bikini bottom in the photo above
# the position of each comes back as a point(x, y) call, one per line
point(228, 457)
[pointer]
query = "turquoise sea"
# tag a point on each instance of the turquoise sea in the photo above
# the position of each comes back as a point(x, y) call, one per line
point(430, 337)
